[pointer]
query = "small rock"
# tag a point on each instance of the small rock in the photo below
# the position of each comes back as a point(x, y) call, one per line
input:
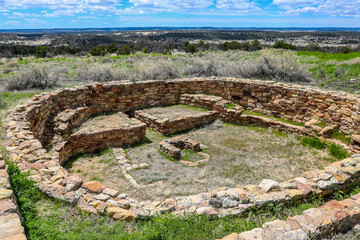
point(5, 193)
point(102, 197)
point(267, 185)
point(229, 203)
point(73, 183)
point(111, 192)
point(255, 234)
point(122, 196)
point(233, 236)
point(2, 165)
point(93, 186)
point(215, 203)
point(121, 214)
point(7, 206)
point(206, 210)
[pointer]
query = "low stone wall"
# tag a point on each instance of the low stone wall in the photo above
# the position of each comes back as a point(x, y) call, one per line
point(69, 119)
point(178, 124)
point(27, 128)
point(228, 112)
point(10, 223)
point(91, 142)
point(334, 216)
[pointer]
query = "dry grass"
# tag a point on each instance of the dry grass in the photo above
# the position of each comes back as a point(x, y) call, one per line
point(33, 77)
point(265, 64)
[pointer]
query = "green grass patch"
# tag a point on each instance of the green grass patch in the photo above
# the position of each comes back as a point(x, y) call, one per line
point(321, 124)
point(193, 108)
point(335, 150)
point(329, 56)
point(341, 136)
point(338, 152)
point(230, 105)
point(312, 142)
point(191, 156)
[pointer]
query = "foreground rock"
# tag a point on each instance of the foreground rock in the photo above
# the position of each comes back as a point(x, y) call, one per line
point(10, 224)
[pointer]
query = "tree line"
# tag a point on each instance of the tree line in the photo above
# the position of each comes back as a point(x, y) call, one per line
point(165, 47)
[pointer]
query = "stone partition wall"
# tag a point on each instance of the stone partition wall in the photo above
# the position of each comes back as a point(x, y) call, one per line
point(170, 126)
point(29, 129)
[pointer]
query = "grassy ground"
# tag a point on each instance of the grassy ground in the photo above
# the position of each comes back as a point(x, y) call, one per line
point(334, 71)
point(240, 155)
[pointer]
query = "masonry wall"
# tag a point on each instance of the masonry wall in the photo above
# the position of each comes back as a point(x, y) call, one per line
point(289, 101)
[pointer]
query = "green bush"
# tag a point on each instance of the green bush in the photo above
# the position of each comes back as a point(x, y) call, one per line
point(111, 48)
point(284, 45)
point(124, 50)
point(98, 51)
point(190, 48)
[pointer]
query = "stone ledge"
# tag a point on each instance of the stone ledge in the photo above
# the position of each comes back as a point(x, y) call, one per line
point(10, 224)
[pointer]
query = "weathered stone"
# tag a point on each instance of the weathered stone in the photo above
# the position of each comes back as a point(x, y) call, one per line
point(233, 236)
point(11, 228)
point(2, 164)
point(255, 234)
point(53, 190)
point(102, 197)
point(121, 214)
point(73, 183)
point(7, 206)
point(268, 185)
point(111, 192)
point(5, 193)
point(93, 186)
point(206, 210)
point(229, 203)
point(168, 205)
point(215, 203)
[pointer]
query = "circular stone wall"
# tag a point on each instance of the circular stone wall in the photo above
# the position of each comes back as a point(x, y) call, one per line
point(32, 126)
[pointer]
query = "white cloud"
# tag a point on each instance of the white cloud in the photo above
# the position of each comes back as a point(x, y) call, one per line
point(35, 21)
point(241, 6)
point(169, 5)
point(12, 23)
point(326, 7)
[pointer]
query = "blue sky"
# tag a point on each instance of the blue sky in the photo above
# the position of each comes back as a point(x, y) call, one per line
point(25, 14)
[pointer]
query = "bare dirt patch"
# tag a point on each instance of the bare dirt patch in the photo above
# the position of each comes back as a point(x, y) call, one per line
point(106, 121)
point(240, 155)
point(173, 111)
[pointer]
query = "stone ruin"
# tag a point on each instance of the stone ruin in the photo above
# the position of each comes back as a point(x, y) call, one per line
point(51, 120)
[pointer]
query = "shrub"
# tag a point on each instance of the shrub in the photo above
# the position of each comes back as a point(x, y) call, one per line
point(190, 48)
point(98, 51)
point(284, 45)
point(124, 50)
point(96, 72)
point(111, 48)
point(42, 51)
point(33, 77)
